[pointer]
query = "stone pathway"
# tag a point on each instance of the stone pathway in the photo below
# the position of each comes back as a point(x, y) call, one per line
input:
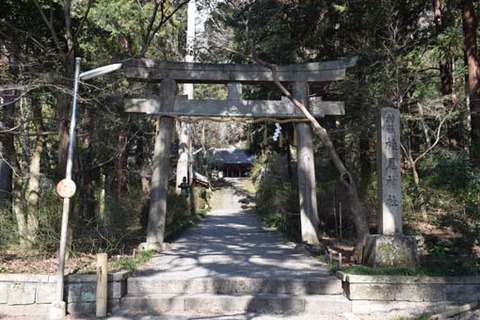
point(230, 254)
point(231, 242)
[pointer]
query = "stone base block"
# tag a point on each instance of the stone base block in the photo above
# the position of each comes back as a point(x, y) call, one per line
point(398, 251)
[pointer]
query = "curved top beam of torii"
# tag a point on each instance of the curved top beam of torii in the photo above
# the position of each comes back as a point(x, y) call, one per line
point(234, 75)
point(189, 72)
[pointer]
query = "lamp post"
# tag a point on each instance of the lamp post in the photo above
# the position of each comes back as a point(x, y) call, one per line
point(66, 188)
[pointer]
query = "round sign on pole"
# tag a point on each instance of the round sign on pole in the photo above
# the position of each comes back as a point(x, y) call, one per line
point(66, 188)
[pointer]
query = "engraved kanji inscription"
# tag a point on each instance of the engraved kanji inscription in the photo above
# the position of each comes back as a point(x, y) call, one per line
point(391, 201)
point(391, 164)
point(391, 180)
point(390, 123)
point(391, 144)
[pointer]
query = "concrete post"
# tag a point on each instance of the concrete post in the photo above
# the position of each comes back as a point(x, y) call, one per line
point(306, 173)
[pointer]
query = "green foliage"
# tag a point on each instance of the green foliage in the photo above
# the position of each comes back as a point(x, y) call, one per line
point(454, 174)
point(276, 196)
point(131, 263)
point(178, 204)
point(274, 220)
point(423, 316)
point(50, 220)
point(332, 264)
point(441, 248)
point(202, 198)
point(8, 228)
point(464, 267)
point(182, 223)
point(49, 214)
point(452, 199)
point(120, 28)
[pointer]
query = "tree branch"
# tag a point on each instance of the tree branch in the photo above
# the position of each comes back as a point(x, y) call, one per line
point(50, 27)
point(80, 27)
point(150, 34)
point(437, 137)
point(146, 38)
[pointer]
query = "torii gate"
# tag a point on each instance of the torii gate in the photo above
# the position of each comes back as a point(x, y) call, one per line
point(168, 104)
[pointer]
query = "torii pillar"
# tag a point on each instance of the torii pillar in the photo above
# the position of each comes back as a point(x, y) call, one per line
point(306, 173)
point(161, 167)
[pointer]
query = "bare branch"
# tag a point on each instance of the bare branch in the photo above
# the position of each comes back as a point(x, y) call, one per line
point(49, 24)
point(82, 22)
point(146, 38)
point(28, 34)
point(437, 136)
point(152, 31)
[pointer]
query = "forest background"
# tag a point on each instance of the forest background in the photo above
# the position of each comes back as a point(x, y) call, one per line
point(420, 57)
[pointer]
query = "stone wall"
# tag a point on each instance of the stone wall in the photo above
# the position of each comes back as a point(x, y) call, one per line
point(411, 288)
point(31, 294)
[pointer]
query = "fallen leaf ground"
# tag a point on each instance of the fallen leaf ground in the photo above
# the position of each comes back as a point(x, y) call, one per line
point(48, 264)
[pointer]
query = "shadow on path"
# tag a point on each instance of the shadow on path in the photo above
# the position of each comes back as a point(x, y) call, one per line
point(231, 242)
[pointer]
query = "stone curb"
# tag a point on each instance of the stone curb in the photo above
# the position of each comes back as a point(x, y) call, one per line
point(410, 288)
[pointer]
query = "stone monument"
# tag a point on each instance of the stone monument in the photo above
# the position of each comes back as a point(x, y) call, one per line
point(390, 247)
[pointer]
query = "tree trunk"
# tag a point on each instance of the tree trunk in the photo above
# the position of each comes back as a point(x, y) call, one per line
point(62, 115)
point(289, 156)
point(7, 147)
point(416, 180)
point(142, 164)
point(355, 205)
point(338, 140)
point(20, 215)
point(120, 167)
point(469, 22)
point(364, 162)
point(446, 78)
point(18, 199)
point(33, 187)
point(7, 150)
point(359, 218)
point(85, 179)
point(66, 56)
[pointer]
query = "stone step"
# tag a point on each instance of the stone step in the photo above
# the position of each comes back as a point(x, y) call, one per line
point(327, 285)
point(221, 304)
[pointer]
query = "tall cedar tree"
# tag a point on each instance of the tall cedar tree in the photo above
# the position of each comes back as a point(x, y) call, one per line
point(470, 24)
